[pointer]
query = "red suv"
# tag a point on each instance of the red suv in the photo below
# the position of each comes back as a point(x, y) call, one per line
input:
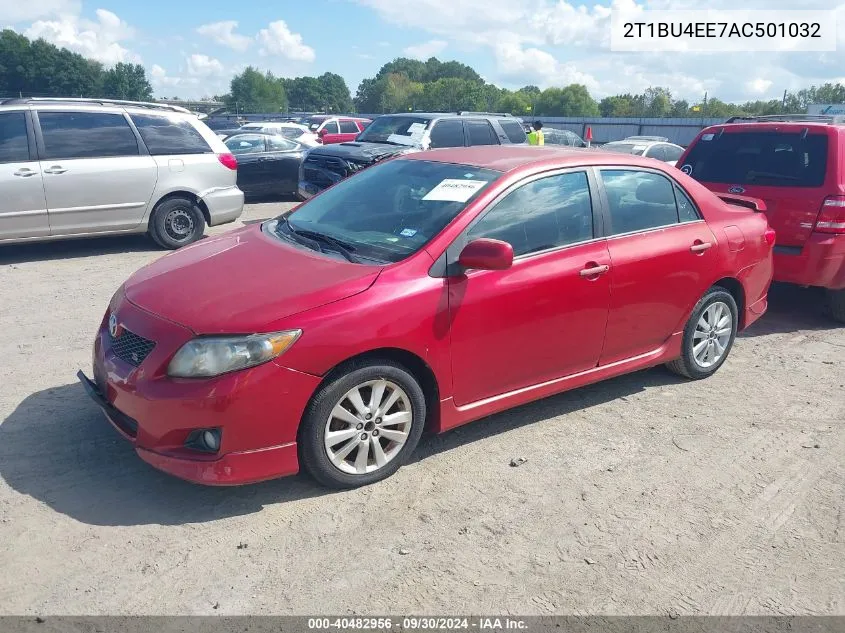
point(796, 165)
point(336, 129)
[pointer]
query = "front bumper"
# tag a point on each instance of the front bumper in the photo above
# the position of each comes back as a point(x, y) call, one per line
point(257, 410)
point(224, 205)
point(819, 262)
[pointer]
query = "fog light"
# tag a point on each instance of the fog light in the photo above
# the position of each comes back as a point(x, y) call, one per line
point(211, 440)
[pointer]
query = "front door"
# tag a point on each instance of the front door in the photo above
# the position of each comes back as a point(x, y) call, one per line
point(23, 209)
point(662, 254)
point(545, 317)
point(95, 176)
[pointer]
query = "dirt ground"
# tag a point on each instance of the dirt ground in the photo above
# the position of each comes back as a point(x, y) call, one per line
point(641, 495)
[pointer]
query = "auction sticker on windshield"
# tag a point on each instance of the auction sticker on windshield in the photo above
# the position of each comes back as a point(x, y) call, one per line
point(453, 190)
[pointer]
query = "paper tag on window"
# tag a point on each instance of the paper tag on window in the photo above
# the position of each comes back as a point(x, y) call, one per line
point(408, 232)
point(416, 128)
point(454, 190)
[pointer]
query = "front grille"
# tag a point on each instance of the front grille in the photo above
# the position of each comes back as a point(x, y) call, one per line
point(131, 348)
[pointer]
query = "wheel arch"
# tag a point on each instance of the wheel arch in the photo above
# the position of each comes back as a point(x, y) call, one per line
point(737, 291)
point(189, 195)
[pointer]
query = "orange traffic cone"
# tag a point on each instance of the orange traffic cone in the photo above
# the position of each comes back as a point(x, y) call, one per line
point(589, 136)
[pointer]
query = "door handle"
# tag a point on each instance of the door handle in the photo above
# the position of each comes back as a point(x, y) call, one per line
point(55, 169)
point(699, 246)
point(25, 172)
point(594, 270)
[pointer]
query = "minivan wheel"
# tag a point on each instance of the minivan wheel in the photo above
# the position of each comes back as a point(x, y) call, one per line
point(362, 426)
point(836, 305)
point(708, 336)
point(176, 222)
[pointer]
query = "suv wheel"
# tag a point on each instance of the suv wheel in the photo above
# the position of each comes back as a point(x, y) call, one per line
point(836, 305)
point(176, 222)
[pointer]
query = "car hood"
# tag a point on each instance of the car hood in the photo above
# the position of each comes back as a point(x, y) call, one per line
point(243, 282)
point(361, 152)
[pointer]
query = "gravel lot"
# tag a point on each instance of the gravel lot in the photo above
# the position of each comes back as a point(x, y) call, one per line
point(641, 495)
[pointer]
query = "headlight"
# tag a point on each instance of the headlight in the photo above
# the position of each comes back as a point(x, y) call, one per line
point(212, 356)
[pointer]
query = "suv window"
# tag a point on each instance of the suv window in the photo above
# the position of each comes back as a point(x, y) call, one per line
point(481, 133)
point(447, 133)
point(86, 135)
point(774, 159)
point(672, 152)
point(164, 136)
point(331, 127)
point(543, 214)
point(638, 200)
point(348, 127)
point(14, 146)
point(513, 130)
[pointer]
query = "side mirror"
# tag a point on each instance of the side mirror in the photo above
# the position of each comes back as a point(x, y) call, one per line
point(486, 254)
point(322, 132)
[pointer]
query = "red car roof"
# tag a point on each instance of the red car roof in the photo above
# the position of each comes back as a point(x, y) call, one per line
point(506, 158)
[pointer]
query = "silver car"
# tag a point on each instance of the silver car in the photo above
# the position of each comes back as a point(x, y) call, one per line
point(79, 168)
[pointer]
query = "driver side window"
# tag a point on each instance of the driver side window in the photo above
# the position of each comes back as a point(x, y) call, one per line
point(543, 214)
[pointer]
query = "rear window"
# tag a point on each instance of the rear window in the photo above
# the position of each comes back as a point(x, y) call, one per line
point(165, 136)
point(774, 159)
point(636, 149)
point(514, 131)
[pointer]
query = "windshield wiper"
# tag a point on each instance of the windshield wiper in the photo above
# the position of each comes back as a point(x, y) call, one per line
point(340, 246)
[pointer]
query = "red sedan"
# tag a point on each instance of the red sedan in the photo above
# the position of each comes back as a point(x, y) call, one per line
point(429, 290)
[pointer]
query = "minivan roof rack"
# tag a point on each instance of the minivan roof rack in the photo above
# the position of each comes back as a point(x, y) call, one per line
point(791, 118)
point(83, 100)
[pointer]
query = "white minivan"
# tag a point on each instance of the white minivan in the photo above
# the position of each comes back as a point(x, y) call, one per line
point(85, 167)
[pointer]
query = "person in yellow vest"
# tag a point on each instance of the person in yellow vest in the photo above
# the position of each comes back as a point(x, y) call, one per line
point(535, 137)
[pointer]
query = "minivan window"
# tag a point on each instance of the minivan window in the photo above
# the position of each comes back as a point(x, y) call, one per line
point(773, 159)
point(388, 211)
point(164, 136)
point(14, 146)
point(86, 135)
point(514, 131)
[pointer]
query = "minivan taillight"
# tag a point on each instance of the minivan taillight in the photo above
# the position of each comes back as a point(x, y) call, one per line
point(832, 216)
point(228, 160)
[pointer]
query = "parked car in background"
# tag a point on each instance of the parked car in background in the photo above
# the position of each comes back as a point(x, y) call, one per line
point(332, 129)
point(268, 164)
point(553, 136)
point(427, 291)
point(647, 147)
point(795, 163)
point(394, 134)
point(84, 167)
point(294, 131)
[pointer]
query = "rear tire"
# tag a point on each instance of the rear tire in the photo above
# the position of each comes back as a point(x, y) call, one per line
point(708, 336)
point(176, 222)
point(836, 305)
point(344, 447)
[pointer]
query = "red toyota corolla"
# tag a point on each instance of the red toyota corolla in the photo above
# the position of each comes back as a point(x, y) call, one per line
point(432, 289)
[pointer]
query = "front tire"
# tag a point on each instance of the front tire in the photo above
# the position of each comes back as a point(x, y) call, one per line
point(836, 305)
point(362, 426)
point(708, 336)
point(176, 222)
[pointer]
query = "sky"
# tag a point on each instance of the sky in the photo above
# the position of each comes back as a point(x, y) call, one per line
point(192, 49)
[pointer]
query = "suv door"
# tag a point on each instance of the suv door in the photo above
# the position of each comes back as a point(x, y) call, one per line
point(447, 133)
point(662, 255)
point(348, 131)
point(96, 178)
point(23, 208)
point(543, 318)
point(329, 132)
point(480, 132)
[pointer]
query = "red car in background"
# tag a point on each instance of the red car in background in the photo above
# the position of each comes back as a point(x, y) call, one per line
point(431, 289)
point(796, 165)
point(334, 129)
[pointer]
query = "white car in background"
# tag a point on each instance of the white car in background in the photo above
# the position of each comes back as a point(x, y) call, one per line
point(293, 131)
point(657, 147)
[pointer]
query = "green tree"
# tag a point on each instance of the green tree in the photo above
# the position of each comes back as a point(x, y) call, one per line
point(516, 103)
point(334, 93)
point(626, 105)
point(656, 102)
point(680, 109)
point(573, 100)
point(252, 91)
point(127, 81)
point(453, 94)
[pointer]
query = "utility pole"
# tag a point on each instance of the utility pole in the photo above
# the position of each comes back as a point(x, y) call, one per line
point(783, 103)
point(704, 109)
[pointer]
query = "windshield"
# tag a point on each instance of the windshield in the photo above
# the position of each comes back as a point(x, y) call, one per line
point(625, 148)
point(765, 158)
point(314, 122)
point(388, 211)
point(397, 130)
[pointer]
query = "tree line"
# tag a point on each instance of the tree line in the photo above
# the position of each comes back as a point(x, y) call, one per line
point(37, 68)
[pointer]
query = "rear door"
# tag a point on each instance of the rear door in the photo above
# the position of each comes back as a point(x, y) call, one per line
point(447, 133)
point(283, 160)
point(254, 170)
point(779, 164)
point(96, 176)
point(23, 208)
point(480, 132)
point(662, 255)
point(348, 131)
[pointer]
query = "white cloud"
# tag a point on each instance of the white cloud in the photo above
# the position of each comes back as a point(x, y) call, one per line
point(160, 79)
point(426, 49)
point(204, 66)
point(758, 86)
point(100, 40)
point(15, 12)
point(277, 39)
point(223, 33)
